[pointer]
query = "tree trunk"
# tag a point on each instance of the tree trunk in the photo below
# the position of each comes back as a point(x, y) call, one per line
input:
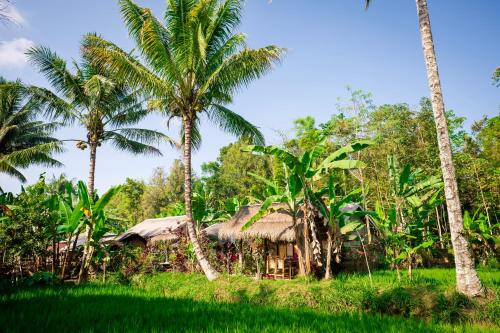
point(66, 257)
point(307, 250)
point(328, 269)
point(299, 245)
point(240, 256)
point(441, 244)
point(88, 250)
point(467, 279)
point(210, 273)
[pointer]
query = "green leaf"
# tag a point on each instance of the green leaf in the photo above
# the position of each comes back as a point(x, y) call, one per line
point(106, 198)
point(264, 210)
point(350, 227)
point(83, 194)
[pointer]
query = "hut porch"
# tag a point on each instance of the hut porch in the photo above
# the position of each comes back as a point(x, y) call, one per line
point(281, 260)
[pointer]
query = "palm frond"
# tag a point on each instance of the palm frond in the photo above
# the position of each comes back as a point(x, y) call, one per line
point(11, 171)
point(233, 123)
point(122, 65)
point(145, 136)
point(54, 69)
point(38, 154)
point(121, 142)
point(152, 39)
point(241, 69)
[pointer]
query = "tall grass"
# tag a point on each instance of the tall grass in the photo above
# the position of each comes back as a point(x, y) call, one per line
point(176, 302)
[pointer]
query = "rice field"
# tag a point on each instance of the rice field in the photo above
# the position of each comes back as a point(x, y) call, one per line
point(176, 302)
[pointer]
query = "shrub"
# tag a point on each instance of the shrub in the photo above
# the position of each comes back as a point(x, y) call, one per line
point(397, 301)
point(451, 309)
point(40, 279)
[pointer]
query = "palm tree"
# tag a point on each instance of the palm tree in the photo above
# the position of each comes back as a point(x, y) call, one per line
point(24, 140)
point(104, 107)
point(467, 280)
point(194, 63)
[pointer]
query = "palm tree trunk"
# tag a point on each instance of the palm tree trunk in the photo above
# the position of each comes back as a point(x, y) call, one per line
point(467, 279)
point(210, 273)
point(88, 250)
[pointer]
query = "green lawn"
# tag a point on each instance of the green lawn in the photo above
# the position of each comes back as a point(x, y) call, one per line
point(187, 302)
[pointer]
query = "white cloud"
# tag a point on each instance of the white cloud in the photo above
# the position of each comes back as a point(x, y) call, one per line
point(12, 52)
point(14, 15)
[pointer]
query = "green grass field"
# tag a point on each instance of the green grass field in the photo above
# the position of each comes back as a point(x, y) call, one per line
point(187, 302)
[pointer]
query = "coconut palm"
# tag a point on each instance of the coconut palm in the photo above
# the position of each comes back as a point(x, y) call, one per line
point(106, 108)
point(467, 280)
point(24, 140)
point(193, 64)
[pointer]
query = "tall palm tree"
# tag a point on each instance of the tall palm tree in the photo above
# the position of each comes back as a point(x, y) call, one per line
point(24, 140)
point(194, 63)
point(467, 279)
point(106, 108)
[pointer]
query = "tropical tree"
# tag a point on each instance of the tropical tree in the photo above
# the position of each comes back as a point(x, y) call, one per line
point(467, 279)
point(102, 105)
point(24, 140)
point(496, 77)
point(194, 63)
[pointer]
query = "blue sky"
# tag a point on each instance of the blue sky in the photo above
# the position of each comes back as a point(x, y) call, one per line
point(331, 43)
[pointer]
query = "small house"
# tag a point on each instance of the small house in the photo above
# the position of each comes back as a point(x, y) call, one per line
point(276, 230)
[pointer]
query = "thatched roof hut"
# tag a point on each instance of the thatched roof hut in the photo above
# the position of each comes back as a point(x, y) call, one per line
point(276, 226)
point(152, 230)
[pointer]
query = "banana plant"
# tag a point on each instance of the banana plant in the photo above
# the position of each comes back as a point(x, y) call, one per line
point(400, 244)
point(290, 196)
point(94, 216)
point(392, 239)
point(71, 220)
point(483, 238)
point(341, 225)
point(410, 188)
point(203, 214)
point(301, 172)
point(6, 206)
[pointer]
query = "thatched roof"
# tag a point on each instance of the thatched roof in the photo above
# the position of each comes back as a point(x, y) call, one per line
point(277, 226)
point(212, 231)
point(155, 229)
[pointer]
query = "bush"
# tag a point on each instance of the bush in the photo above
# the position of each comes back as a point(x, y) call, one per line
point(40, 279)
point(450, 309)
point(397, 301)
